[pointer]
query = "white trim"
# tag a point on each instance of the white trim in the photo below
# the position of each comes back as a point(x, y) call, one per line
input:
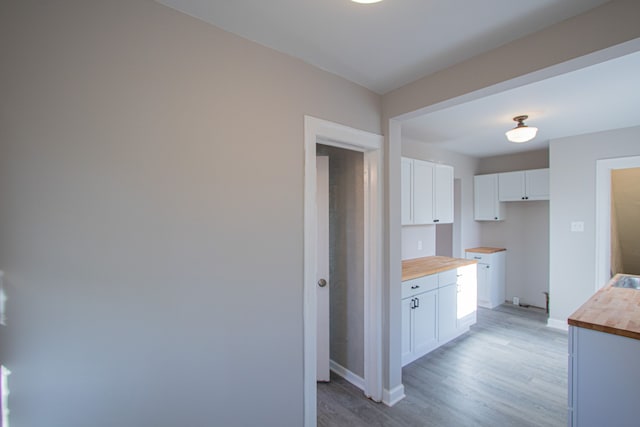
point(354, 379)
point(328, 133)
point(603, 214)
point(373, 275)
point(391, 397)
point(558, 324)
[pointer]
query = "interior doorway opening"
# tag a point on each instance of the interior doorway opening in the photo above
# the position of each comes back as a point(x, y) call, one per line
point(319, 131)
point(604, 168)
point(625, 229)
point(343, 253)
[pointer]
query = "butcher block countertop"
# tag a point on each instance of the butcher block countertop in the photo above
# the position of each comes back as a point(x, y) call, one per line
point(485, 250)
point(418, 267)
point(611, 310)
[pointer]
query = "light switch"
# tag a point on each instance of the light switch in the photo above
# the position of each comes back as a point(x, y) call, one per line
point(577, 226)
point(419, 245)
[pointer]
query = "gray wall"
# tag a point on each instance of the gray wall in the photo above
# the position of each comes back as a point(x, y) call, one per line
point(537, 159)
point(524, 232)
point(151, 216)
point(573, 178)
point(346, 259)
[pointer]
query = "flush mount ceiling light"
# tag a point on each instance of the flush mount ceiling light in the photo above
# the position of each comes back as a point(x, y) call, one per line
point(522, 132)
point(366, 1)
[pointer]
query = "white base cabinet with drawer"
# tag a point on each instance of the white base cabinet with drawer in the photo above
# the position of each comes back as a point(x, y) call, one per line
point(436, 309)
point(491, 278)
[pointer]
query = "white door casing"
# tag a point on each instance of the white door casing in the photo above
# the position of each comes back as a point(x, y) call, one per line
point(322, 272)
point(333, 134)
point(603, 213)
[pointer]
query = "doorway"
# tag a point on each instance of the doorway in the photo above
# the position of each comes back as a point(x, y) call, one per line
point(625, 229)
point(340, 301)
point(319, 131)
point(604, 169)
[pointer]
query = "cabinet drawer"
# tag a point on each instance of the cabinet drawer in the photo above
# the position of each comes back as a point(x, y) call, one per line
point(421, 284)
point(448, 277)
point(481, 258)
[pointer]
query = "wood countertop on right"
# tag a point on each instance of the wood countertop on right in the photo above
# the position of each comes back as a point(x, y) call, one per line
point(485, 250)
point(419, 267)
point(612, 310)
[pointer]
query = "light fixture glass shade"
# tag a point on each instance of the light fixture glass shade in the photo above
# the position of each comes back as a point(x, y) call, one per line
point(521, 134)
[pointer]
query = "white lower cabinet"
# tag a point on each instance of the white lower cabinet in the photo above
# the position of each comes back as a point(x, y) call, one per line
point(436, 309)
point(467, 297)
point(491, 282)
point(447, 312)
point(604, 381)
point(425, 337)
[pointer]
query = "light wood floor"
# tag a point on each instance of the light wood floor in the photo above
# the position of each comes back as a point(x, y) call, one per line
point(509, 370)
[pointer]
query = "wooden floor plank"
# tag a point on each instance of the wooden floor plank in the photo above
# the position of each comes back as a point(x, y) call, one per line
point(509, 370)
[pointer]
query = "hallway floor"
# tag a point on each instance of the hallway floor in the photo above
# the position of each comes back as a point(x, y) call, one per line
point(509, 370)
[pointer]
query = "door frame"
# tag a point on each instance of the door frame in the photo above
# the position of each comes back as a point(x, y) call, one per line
point(323, 368)
point(318, 131)
point(603, 213)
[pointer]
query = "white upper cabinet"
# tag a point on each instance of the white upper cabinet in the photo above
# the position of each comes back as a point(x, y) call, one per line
point(443, 194)
point(406, 204)
point(427, 192)
point(537, 184)
point(523, 185)
point(423, 192)
point(486, 205)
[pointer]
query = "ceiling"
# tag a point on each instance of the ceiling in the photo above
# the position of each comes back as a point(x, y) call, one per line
point(386, 45)
point(601, 97)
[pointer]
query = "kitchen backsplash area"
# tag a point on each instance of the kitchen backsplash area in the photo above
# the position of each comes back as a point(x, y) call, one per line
point(418, 241)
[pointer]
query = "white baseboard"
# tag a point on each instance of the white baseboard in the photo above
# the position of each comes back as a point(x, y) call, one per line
point(557, 324)
point(391, 397)
point(354, 379)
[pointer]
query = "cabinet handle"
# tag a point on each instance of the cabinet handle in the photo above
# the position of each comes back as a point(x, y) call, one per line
point(477, 257)
point(415, 286)
point(413, 303)
point(495, 217)
point(436, 220)
point(417, 302)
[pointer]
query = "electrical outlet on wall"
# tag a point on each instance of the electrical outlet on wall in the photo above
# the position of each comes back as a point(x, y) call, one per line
point(577, 226)
point(419, 245)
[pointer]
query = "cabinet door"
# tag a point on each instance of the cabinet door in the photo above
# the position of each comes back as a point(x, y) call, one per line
point(407, 332)
point(511, 186)
point(467, 296)
point(422, 192)
point(484, 277)
point(425, 335)
point(447, 312)
point(406, 191)
point(443, 194)
point(486, 206)
point(537, 184)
